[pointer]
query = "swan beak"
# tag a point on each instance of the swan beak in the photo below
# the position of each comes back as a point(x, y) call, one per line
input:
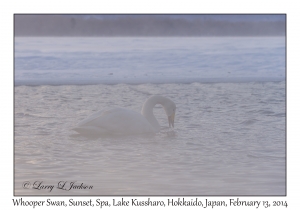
point(171, 120)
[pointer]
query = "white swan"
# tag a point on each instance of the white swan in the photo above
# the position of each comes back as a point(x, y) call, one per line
point(121, 121)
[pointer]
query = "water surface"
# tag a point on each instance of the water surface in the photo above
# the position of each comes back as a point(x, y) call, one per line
point(229, 139)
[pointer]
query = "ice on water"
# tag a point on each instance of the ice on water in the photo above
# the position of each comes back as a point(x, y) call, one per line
point(142, 60)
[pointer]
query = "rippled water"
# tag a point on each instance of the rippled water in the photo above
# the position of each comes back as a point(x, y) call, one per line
point(229, 139)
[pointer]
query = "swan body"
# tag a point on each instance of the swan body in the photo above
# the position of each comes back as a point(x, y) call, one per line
point(121, 121)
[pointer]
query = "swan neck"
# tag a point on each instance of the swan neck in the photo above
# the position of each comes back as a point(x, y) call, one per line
point(147, 110)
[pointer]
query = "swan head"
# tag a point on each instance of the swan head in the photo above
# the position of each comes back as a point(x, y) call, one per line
point(170, 109)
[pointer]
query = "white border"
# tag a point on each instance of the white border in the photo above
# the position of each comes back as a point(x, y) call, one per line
point(8, 8)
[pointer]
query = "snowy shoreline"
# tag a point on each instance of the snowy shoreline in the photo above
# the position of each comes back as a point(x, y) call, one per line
point(146, 81)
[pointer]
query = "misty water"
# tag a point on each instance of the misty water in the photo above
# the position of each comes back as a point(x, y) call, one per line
point(229, 135)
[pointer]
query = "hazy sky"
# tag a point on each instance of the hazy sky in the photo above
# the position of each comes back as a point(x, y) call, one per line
point(150, 25)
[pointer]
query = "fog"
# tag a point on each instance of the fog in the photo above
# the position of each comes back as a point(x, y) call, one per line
point(149, 25)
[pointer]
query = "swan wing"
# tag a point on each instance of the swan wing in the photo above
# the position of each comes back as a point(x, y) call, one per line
point(93, 117)
point(115, 121)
